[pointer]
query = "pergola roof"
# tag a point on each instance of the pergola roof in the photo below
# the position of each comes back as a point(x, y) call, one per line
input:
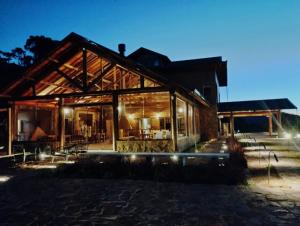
point(256, 105)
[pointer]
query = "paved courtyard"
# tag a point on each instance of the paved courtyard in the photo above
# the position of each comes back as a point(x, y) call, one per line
point(34, 198)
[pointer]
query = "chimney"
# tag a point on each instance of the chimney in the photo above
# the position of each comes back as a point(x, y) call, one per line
point(122, 49)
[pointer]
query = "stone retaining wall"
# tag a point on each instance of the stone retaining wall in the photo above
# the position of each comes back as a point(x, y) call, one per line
point(145, 146)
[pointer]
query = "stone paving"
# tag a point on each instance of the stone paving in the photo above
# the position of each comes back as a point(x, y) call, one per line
point(36, 200)
point(32, 197)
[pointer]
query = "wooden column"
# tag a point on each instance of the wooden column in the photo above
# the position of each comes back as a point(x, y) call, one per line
point(270, 124)
point(115, 121)
point(174, 121)
point(279, 124)
point(61, 124)
point(10, 132)
point(232, 124)
point(84, 70)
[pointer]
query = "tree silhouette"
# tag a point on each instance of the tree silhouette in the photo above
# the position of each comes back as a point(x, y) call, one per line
point(35, 48)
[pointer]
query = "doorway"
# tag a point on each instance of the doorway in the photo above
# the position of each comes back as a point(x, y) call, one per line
point(94, 124)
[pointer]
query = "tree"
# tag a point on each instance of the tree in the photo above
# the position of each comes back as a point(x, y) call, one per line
point(39, 46)
point(35, 48)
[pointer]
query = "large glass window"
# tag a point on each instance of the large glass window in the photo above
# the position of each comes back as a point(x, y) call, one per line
point(191, 120)
point(33, 123)
point(181, 117)
point(144, 116)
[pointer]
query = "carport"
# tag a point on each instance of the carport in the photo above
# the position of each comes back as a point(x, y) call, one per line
point(270, 108)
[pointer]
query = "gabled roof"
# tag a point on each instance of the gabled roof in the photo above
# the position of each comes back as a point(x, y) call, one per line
point(70, 46)
point(256, 105)
point(142, 51)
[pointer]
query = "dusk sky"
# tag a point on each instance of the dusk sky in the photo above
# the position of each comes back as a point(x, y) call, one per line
point(259, 39)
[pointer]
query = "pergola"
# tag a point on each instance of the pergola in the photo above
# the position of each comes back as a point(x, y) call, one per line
point(269, 108)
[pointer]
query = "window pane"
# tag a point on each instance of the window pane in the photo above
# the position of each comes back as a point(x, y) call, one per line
point(144, 116)
point(149, 83)
point(181, 117)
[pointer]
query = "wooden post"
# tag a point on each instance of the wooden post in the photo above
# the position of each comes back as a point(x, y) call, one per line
point(61, 124)
point(232, 124)
point(10, 134)
point(279, 124)
point(174, 120)
point(142, 80)
point(84, 70)
point(270, 124)
point(115, 121)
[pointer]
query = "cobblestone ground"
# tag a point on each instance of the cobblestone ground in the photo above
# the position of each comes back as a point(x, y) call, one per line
point(34, 200)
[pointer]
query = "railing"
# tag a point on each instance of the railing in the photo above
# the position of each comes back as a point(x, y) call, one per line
point(260, 156)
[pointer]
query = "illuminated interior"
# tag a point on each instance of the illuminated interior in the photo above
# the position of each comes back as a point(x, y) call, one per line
point(144, 116)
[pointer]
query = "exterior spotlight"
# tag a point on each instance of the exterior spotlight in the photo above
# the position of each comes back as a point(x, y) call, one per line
point(133, 157)
point(174, 158)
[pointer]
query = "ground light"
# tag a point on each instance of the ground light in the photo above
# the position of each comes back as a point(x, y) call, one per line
point(4, 179)
point(133, 157)
point(174, 158)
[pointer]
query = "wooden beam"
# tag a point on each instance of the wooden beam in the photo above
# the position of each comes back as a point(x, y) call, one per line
point(270, 124)
point(100, 76)
point(33, 88)
point(61, 124)
point(10, 132)
point(142, 81)
point(88, 104)
point(174, 120)
point(41, 74)
point(84, 70)
point(246, 113)
point(93, 93)
point(117, 81)
point(232, 124)
point(70, 80)
point(115, 121)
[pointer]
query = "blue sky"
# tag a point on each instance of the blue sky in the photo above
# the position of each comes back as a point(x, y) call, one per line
point(260, 39)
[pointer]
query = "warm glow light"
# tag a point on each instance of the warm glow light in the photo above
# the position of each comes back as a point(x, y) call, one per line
point(119, 108)
point(4, 178)
point(56, 98)
point(131, 116)
point(158, 115)
point(180, 110)
point(67, 111)
point(174, 158)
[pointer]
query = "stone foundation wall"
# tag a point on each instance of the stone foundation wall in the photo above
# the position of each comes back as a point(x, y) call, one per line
point(209, 123)
point(145, 146)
